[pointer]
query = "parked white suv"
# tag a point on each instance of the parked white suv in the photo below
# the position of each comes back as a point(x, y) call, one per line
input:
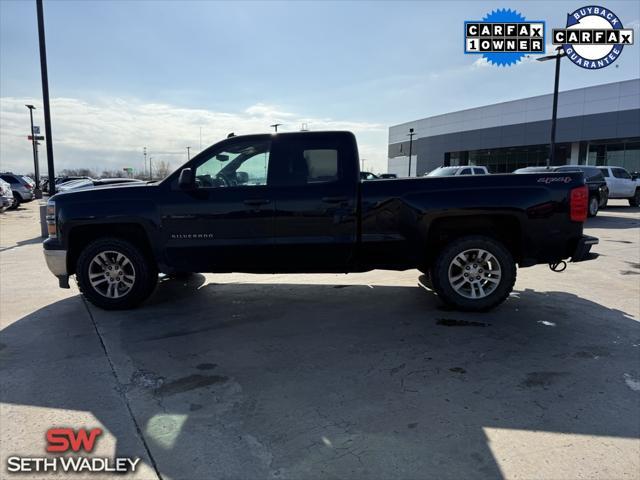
point(620, 184)
point(455, 171)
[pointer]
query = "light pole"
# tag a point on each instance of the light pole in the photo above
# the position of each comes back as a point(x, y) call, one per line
point(150, 174)
point(36, 168)
point(275, 126)
point(410, 135)
point(188, 154)
point(554, 114)
point(45, 98)
point(144, 170)
point(362, 170)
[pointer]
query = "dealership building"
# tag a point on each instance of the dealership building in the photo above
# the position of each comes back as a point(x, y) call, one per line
point(597, 125)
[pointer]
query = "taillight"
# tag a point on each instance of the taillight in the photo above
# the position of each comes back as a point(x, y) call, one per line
point(28, 185)
point(578, 203)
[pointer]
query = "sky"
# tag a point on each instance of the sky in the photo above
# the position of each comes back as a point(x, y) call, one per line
point(164, 74)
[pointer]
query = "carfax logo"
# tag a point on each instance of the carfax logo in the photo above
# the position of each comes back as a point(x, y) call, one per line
point(593, 38)
point(503, 37)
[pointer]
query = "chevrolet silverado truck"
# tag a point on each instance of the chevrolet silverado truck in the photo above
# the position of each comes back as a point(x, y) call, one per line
point(295, 203)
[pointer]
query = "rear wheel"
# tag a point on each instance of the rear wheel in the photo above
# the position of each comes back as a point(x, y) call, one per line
point(115, 274)
point(594, 205)
point(474, 273)
point(16, 201)
point(635, 200)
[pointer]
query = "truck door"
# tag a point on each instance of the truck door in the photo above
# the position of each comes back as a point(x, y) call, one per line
point(226, 222)
point(625, 185)
point(315, 189)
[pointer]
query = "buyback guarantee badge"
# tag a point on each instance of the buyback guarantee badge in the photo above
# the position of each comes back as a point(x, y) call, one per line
point(593, 38)
point(503, 37)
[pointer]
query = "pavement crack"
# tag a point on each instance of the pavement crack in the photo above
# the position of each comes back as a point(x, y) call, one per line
point(121, 391)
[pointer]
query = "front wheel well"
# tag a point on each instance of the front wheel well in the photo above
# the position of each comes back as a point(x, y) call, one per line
point(506, 229)
point(82, 235)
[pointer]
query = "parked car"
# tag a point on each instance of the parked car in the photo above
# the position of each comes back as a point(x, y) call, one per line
point(6, 196)
point(61, 180)
point(598, 190)
point(312, 213)
point(621, 184)
point(21, 186)
point(455, 171)
point(388, 175)
point(91, 183)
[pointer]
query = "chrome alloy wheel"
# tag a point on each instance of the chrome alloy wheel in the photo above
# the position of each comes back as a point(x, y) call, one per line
point(474, 273)
point(111, 274)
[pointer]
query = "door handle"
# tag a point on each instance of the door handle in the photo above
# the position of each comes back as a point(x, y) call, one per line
point(334, 199)
point(257, 201)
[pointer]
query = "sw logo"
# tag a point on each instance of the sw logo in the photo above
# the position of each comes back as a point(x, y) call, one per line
point(65, 439)
point(593, 38)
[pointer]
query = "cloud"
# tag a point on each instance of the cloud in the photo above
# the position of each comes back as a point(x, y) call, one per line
point(110, 133)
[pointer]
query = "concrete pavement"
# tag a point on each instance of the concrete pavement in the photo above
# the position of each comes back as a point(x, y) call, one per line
point(332, 376)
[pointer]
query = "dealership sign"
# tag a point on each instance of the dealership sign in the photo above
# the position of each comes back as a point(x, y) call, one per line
point(593, 38)
point(66, 440)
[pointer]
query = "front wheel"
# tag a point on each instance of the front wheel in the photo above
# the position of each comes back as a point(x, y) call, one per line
point(115, 274)
point(474, 273)
point(635, 200)
point(594, 206)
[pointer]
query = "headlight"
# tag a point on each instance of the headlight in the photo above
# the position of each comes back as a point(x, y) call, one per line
point(52, 226)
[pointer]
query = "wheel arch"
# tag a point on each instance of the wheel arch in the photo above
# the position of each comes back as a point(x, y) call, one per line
point(81, 235)
point(504, 228)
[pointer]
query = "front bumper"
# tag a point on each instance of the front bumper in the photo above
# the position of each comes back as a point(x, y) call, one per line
point(57, 263)
point(583, 249)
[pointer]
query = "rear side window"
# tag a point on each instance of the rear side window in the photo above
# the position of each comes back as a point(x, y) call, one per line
point(605, 172)
point(620, 173)
point(478, 171)
point(593, 174)
point(9, 178)
point(321, 165)
point(465, 171)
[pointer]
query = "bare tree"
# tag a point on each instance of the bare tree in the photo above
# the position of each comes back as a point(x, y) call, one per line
point(161, 169)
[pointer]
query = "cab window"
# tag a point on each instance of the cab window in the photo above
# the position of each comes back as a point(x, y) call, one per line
point(465, 171)
point(244, 164)
point(620, 173)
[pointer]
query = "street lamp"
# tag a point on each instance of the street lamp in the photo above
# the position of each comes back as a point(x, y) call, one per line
point(188, 153)
point(410, 135)
point(36, 168)
point(561, 53)
point(45, 98)
point(275, 126)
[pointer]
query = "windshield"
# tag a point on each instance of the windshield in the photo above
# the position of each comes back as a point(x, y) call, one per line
point(442, 172)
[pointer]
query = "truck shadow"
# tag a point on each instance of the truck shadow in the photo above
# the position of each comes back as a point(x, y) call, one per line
point(251, 380)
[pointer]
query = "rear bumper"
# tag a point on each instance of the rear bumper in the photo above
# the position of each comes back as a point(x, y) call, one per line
point(582, 251)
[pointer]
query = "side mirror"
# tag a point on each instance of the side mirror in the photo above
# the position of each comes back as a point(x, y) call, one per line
point(187, 180)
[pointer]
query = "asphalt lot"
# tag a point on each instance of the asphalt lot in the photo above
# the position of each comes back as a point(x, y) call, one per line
point(332, 376)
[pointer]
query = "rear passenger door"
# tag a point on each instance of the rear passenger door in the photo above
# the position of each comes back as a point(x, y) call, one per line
point(315, 195)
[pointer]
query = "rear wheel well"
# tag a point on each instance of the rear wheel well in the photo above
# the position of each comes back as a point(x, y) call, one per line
point(82, 235)
point(505, 229)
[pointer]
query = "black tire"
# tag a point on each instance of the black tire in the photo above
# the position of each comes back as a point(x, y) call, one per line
point(594, 206)
point(450, 296)
point(635, 200)
point(17, 200)
point(145, 274)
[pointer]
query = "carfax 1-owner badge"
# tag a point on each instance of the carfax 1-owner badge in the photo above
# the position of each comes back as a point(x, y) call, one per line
point(593, 38)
